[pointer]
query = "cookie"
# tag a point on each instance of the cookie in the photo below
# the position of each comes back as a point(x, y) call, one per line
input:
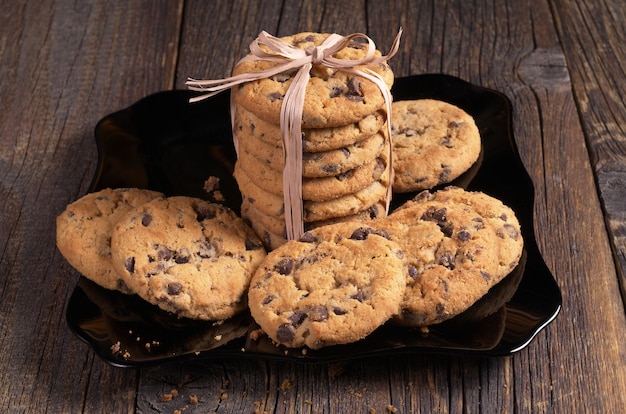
point(271, 230)
point(249, 126)
point(434, 142)
point(335, 285)
point(315, 164)
point(333, 97)
point(314, 189)
point(83, 231)
point(272, 204)
point(187, 256)
point(495, 214)
point(452, 257)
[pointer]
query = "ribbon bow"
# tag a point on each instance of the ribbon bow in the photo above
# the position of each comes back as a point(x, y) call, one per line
point(290, 57)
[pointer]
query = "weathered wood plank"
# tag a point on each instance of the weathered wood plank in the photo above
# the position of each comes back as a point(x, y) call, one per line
point(597, 31)
point(64, 66)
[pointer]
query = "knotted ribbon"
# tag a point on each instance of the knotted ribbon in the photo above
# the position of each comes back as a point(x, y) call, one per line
point(290, 57)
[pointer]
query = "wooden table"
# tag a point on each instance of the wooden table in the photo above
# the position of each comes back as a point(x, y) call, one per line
point(64, 65)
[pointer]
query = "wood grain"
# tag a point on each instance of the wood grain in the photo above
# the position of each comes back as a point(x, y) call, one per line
point(64, 65)
point(598, 82)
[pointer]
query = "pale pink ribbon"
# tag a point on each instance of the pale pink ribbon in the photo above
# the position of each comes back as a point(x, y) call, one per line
point(290, 57)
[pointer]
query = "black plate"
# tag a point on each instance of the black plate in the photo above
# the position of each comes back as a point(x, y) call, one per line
point(164, 143)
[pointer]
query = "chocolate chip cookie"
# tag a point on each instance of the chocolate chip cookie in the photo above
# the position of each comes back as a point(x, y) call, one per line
point(335, 285)
point(333, 97)
point(452, 256)
point(83, 231)
point(434, 142)
point(187, 256)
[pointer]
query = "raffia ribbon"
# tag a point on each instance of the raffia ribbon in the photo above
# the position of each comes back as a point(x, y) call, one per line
point(290, 57)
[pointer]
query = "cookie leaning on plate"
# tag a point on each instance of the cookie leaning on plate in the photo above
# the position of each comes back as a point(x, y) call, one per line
point(480, 244)
point(334, 286)
point(187, 256)
point(434, 142)
point(452, 257)
point(83, 232)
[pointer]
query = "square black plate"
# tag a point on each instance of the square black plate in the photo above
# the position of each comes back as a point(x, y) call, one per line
point(166, 144)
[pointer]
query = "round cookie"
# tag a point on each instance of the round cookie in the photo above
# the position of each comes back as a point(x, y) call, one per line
point(272, 230)
point(495, 214)
point(335, 285)
point(249, 126)
point(187, 256)
point(83, 231)
point(452, 257)
point(315, 189)
point(272, 204)
point(315, 164)
point(333, 97)
point(434, 142)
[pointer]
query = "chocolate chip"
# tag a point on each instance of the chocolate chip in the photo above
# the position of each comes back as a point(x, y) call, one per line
point(362, 232)
point(339, 311)
point(130, 264)
point(252, 244)
point(275, 96)
point(485, 275)
point(463, 235)
point(444, 175)
point(335, 92)
point(146, 220)
point(440, 309)
point(330, 168)
point(284, 266)
point(318, 313)
point(206, 250)
point(412, 271)
point(346, 152)
point(511, 231)
point(296, 318)
point(203, 213)
point(164, 254)
point(268, 300)
point(181, 257)
point(446, 142)
point(354, 90)
point(174, 288)
point(285, 333)
point(447, 260)
point(281, 77)
point(446, 228)
point(358, 296)
point(454, 124)
point(308, 237)
point(345, 176)
point(373, 211)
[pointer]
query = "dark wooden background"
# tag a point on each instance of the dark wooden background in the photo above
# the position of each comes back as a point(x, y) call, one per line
point(65, 64)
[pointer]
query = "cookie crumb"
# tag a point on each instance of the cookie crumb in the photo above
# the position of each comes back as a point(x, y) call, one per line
point(211, 184)
point(286, 385)
point(218, 337)
point(392, 409)
point(256, 334)
point(193, 399)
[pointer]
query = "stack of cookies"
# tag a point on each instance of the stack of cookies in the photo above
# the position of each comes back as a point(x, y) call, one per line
point(345, 173)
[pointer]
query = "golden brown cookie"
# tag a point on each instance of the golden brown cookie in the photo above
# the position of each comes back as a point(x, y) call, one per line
point(83, 231)
point(334, 286)
point(248, 126)
point(333, 97)
point(187, 256)
point(434, 142)
point(314, 164)
point(452, 257)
